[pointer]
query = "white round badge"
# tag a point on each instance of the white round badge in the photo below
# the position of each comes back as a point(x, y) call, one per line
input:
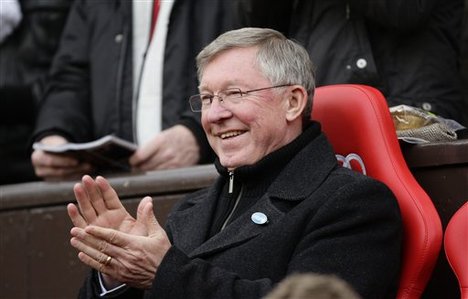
point(259, 218)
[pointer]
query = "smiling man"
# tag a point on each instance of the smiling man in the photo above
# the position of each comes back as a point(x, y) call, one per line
point(281, 204)
point(245, 123)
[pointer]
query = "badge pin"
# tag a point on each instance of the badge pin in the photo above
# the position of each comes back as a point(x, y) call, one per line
point(259, 218)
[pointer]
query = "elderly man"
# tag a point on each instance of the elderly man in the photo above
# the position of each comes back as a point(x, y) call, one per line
point(281, 204)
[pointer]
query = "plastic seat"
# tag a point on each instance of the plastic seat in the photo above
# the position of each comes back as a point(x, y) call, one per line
point(358, 123)
point(456, 247)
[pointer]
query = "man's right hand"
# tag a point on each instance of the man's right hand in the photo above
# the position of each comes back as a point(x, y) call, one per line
point(52, 167)
point(99, 205)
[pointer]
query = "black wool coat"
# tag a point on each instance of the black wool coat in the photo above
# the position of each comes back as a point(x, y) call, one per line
point(322, 218)
point(90, 90)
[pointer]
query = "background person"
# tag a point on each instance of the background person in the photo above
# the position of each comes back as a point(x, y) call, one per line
point(114, 74)
point(409, 50)
point(312, 286)
point(29, 36)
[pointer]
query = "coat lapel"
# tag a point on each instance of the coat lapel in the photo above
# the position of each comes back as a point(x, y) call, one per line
point(190, 227)
point(301, 177)
point(241, 230)
point(306, 172)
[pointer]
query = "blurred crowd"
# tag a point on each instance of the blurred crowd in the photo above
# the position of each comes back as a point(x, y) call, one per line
point(77, 70)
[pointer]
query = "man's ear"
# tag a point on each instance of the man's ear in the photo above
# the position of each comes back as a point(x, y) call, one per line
point(296, 103)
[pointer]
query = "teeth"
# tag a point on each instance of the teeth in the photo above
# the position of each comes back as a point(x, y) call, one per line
point(230, 134)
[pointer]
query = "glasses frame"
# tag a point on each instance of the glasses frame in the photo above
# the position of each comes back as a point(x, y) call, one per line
point(197, 98)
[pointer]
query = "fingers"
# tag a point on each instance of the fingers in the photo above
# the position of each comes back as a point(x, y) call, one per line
point(42, 159)
point(94, 194)
point(75, 216)
point(145, 214)
point(172, 148)
point(164, 158)
point(153, 227)
point(111, 199)
point(53, 167)
point(95, 197)
point(84, 202)
point(175, 155)
point(109, 235)
point(146, 152)
point(135, 259)
point(56, 167)
point(152, 224)
point(141, 208)
point(92, 257)
point(96, 253)
point(130, 264)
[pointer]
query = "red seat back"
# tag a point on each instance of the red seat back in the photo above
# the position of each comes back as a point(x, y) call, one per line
point(357, 121)
point(456, 247)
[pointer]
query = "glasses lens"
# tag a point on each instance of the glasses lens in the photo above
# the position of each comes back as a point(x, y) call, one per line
point(200, 101)
point(195, 103)
point(233, 95)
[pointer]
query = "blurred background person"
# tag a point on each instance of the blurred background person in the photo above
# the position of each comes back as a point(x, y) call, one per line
point(464, 61)
point(29, 36)
point(127, 68)
point(312, 286)
point(407, 49)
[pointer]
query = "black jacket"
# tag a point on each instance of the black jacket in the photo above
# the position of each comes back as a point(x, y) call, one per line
point(25, 59)
point(407, 49)
point(321, 219)
point(90, 91)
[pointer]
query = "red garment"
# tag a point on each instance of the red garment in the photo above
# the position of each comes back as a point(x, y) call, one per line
point(154, 17)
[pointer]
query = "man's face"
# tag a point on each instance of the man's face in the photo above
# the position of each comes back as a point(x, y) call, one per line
point(242, 133)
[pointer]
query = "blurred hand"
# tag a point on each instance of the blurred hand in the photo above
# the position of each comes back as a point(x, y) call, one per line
point(52, 167)
point(135, 259)
point(172, 148)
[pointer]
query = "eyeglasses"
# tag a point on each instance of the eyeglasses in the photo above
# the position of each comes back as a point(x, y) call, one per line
point(203, 101)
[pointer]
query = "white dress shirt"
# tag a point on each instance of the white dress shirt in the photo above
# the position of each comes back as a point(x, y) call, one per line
point(148, 67)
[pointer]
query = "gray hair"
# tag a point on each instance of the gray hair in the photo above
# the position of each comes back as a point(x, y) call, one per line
point(281, 60)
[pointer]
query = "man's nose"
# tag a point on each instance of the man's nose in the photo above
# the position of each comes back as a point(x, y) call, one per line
point(217, 110)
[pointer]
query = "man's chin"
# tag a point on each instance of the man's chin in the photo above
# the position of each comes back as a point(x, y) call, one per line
point(229, 162)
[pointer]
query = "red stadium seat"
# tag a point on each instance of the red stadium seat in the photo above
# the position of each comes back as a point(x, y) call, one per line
point(358, 123)
point(456, 247)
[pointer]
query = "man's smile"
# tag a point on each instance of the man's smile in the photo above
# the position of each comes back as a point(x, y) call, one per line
point(230, 134)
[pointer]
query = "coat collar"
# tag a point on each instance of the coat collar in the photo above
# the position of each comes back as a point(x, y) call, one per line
point(306, 172)
point(300, 178)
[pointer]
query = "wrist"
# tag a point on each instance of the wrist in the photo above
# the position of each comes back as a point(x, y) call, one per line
point(109, 282)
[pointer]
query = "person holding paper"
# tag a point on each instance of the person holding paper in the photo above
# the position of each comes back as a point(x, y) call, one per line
point(125, 68)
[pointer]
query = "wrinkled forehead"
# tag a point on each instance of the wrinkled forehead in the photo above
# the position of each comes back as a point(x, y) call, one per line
point(232, 68)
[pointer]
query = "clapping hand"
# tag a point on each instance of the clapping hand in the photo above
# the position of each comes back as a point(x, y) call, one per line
point(110, 240)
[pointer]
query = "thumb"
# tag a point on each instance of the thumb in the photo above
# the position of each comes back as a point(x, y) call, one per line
point(141, 214)
point(152, 224)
